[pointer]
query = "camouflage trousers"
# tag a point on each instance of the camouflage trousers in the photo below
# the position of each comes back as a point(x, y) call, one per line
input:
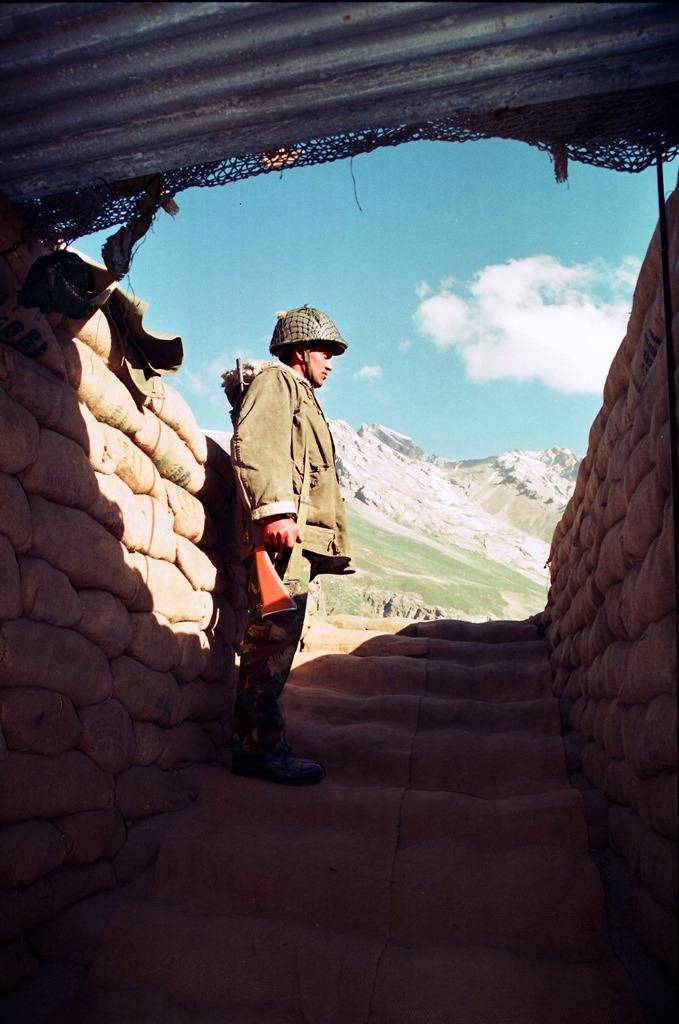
point(269, 647)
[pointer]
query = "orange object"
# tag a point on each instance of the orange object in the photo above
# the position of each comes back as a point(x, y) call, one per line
point(273, 595)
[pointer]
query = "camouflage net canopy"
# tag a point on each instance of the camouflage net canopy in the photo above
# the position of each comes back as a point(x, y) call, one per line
point(626, 131)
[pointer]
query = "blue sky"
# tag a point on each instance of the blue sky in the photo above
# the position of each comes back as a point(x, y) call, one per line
point(482, 302)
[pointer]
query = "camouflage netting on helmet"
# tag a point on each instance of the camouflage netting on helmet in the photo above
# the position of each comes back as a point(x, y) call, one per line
point(305, 325)
point(623, 131)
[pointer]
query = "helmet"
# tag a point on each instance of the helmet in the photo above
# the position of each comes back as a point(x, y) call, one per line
point(305, 326)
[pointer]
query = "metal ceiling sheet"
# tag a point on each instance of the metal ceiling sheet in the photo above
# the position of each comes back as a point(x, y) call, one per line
point(103, 91)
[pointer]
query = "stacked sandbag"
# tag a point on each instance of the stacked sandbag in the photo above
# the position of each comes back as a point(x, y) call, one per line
point(119, 608)
point(611, 612)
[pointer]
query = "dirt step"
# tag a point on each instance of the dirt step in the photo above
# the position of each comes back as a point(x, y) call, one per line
point(373, 676)
point(230, 802)
point(444, 629)
point(315, 976)
point(212, 963)
point(323, 637)
point(540, 716)
point(487, 764)
point(482, 985)
point(493, 632)
point(393, 753)
point(440, 889)
point(148, 1006)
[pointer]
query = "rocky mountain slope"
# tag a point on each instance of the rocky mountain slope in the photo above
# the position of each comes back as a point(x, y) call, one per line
point(484, 525)
point(434, 537)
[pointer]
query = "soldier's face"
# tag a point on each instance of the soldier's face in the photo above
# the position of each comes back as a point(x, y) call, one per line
point(320, 363)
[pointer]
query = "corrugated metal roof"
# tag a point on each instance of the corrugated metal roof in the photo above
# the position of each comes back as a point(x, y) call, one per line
point(103, 91)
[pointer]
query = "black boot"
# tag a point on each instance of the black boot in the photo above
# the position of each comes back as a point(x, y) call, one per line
point(281, 767)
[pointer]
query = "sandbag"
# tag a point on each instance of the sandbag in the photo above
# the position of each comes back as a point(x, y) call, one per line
point(658, 869)
point(95, 331)
point(654, 589)
point(201, 569)
point(148, 739)
point(21, 909)
point(610, 729)
point(153, 642)
point(613, 614)
point(643, 519)
point(35, 654)
point(148, 696)
point(219, 460)
point(107, 736)
point(169, 454)
point(46, 787)
point(652, 664)
point(656, 926)
point(137, 520)
point(104, 394)
point(28, 330)
point(52, 402)
point(38, 721)
point(165, 589)
point(595, 762)
point(73, 542)
point(105, 621)
point(18, 434)
point(47, 594)
point(191, 518)
point(15, 513)
point(28, 851)
point(60, 472)
point(132, 465)
point(627, 833)
point(185, 744)
point(632, 740)
point(92, 835)
point(641, 457)
point(191, 642)
point(10, 591)
point(657, 803)
point(141, 792)
point(173, 410)
point(203, 702)
point(218, 496)
point(659, 734)
point(621, 784)
point(75, 882)
point(612, 564)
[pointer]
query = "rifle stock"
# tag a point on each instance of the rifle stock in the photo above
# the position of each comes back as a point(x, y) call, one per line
point(273, 595)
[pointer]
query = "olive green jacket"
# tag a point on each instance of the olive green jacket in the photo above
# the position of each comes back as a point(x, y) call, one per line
point(279, 416)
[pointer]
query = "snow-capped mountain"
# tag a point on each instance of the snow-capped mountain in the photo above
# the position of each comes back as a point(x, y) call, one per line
point(503, 507)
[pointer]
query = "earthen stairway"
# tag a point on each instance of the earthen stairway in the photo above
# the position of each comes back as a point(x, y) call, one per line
point(439, 874)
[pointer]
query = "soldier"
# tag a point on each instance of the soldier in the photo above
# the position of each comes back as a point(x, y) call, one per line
point(284, 460)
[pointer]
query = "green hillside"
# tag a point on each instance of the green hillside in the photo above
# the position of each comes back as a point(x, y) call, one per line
point(460, 582)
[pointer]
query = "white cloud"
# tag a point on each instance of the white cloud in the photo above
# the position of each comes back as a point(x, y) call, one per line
point(422, 290)
point(534, 319)
point(197, 383)
point(368, 373)
point(404, 345)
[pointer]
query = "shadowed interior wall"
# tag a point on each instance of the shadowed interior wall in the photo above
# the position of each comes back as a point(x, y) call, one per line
point(611, 610)
point(119, 607)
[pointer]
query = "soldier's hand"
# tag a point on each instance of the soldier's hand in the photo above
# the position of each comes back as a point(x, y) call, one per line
point(281, 532)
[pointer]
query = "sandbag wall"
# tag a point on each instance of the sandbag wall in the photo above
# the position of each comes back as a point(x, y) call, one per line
point(119, 607)
point(611, 611)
